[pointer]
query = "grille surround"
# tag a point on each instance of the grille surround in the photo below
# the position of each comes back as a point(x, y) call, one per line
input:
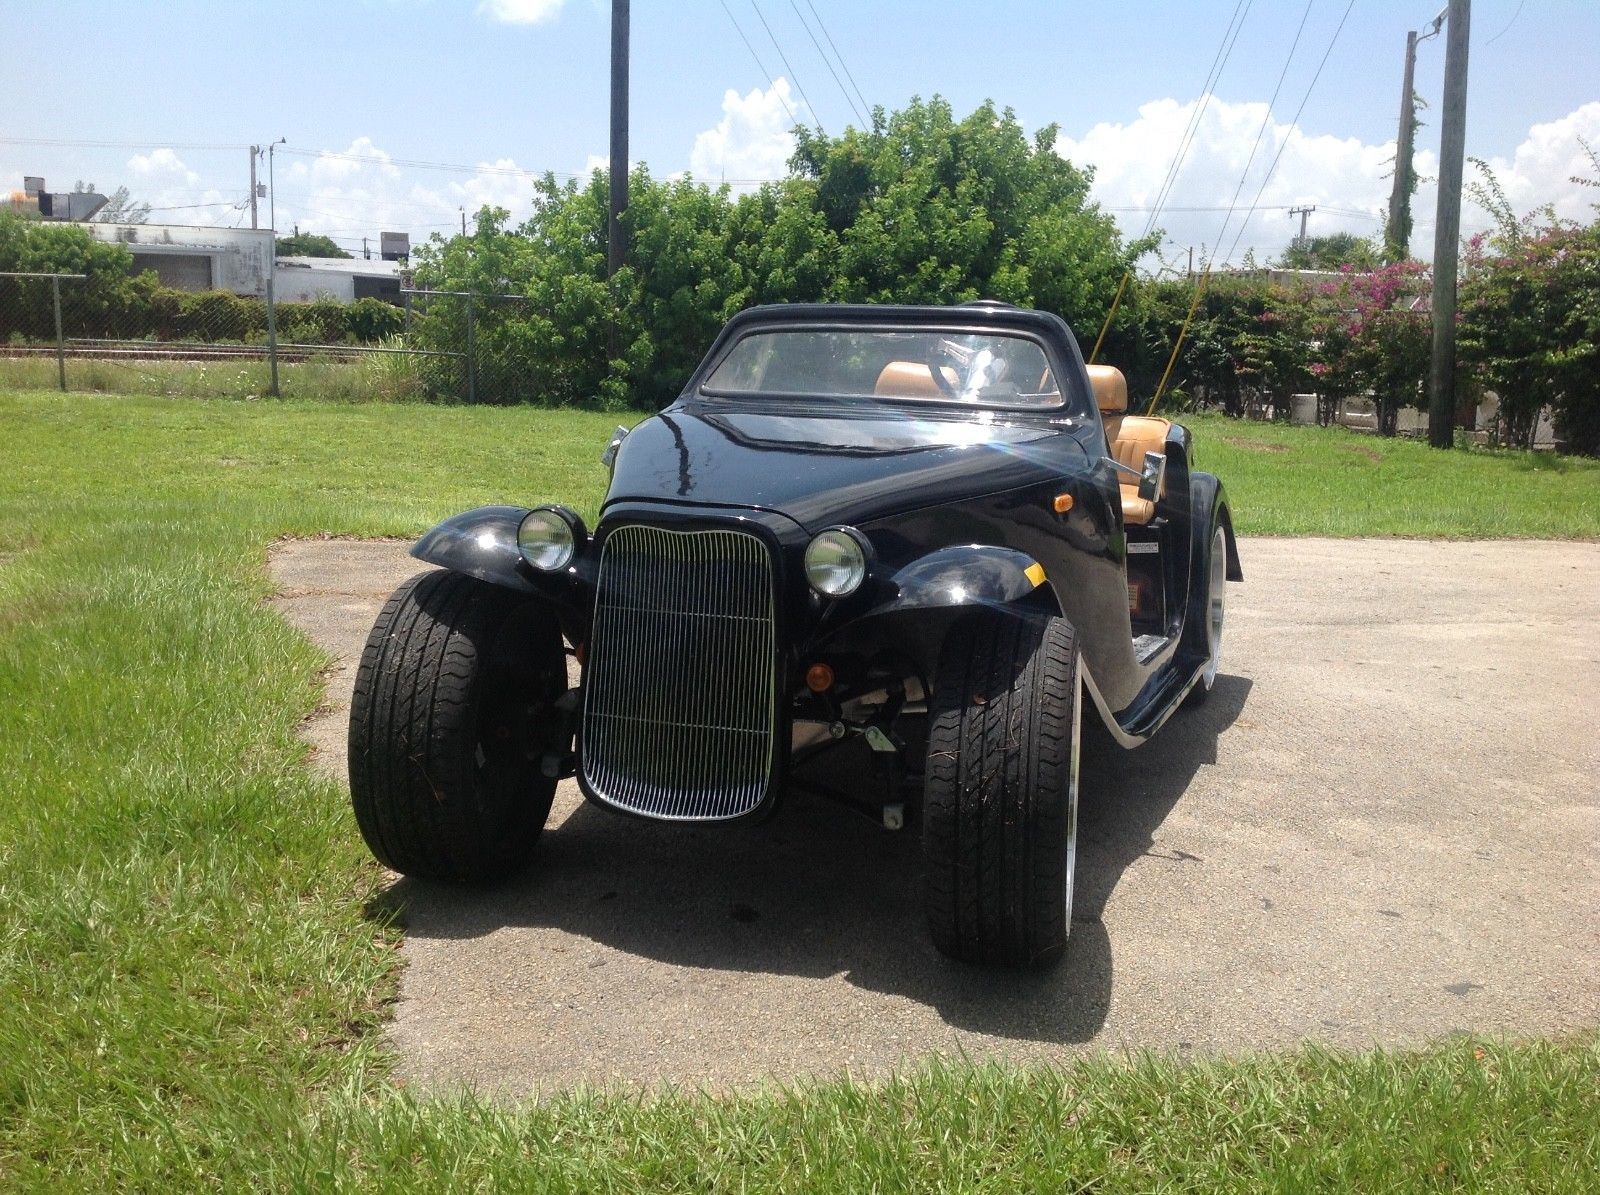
point(681, 696)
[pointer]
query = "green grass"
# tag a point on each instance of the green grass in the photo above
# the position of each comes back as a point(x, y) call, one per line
point(373, 377)
point(189, 984)
point(1329, 481)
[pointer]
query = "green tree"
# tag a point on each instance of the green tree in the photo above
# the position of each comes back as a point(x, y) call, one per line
point(1332, 252)
point(1530, 316)
point(104, 302)
point(309, 244)
point(120, 208)
point(928, 209)
point(1530, 325)
point(921, 209)
point(1390, 339)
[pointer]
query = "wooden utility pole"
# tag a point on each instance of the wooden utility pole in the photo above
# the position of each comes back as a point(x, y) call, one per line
point(1447, 230)
point(1398, 233)
point(616, 238)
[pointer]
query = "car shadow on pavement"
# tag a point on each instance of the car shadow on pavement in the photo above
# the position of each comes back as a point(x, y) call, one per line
point(819, 891)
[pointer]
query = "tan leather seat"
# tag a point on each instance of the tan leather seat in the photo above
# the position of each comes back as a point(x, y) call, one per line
point(912, 379)
point(1129, 437)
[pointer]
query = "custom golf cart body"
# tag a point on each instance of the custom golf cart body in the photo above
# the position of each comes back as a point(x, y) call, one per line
point(973, 484)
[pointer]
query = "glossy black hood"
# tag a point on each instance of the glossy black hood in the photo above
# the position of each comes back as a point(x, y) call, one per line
point(826, 463)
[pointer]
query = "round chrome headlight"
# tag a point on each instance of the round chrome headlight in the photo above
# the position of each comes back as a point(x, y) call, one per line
point(547, 539)
point(836, 563)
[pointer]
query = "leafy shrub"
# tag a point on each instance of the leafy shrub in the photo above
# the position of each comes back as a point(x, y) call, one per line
point(368, 321)
point(218, 315)
point(1530, 325)
point(321, 321)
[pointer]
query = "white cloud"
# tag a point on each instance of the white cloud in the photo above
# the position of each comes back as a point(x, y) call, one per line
point(359, 158)
point(362, 192)
point(1540, 170)
point(162, 165)
point(520, 12)
point(752, 141)
point(1346, 178)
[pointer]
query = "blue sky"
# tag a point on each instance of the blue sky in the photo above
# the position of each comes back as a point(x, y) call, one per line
point(521, 85)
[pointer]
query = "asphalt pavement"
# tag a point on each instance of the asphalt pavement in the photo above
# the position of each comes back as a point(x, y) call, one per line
point(1383, 828)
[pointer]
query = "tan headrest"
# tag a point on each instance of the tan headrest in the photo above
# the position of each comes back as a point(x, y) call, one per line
point(909, 379)
point(1110, 389)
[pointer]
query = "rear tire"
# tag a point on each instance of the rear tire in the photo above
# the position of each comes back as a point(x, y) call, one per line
point(1000, 802)
point(451, 718)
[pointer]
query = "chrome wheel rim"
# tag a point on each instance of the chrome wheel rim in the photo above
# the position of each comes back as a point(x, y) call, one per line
point(1216, 604)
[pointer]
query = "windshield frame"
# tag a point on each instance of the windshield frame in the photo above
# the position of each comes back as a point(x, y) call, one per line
point(1070, 403)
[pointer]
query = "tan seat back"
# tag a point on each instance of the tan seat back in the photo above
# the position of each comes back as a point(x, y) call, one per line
point(1128, 436)
point(1110, 389)
point(911, 379)
point(1137, 435)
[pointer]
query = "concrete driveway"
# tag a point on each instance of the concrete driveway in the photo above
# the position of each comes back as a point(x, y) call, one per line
point(1382, 828)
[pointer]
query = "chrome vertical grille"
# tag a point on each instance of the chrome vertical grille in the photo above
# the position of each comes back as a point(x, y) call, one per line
point(680, 705)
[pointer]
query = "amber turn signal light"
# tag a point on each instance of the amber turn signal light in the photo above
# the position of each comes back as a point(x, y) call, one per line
point(1063, 503)
point(819, 678)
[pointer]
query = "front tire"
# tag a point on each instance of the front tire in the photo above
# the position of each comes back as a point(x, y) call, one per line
point(451, 718)
point(1213, 613)
point(1000, 803)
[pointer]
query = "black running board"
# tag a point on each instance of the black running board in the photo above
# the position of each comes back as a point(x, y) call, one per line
point(1154, 705)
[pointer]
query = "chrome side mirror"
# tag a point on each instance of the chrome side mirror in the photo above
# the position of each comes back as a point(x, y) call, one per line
point(608, 458)
point(1152, 475)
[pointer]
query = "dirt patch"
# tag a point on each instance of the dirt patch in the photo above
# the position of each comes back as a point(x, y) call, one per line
point(1255, 445)
point(1306, 856)
point(1364, 452)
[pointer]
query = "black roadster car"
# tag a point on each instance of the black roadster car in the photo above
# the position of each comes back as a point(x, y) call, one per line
point(885, 554)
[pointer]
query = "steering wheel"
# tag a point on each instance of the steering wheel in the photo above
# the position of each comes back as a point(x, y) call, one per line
point(935, 364)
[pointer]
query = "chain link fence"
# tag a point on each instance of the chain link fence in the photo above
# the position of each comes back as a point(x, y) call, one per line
point(60, 331)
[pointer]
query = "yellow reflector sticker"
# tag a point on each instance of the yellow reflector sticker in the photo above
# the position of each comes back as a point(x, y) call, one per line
point(1035, 573)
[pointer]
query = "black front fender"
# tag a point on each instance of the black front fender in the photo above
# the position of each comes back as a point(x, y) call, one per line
point(482, 543)
point(964, 575)
point(912, 610)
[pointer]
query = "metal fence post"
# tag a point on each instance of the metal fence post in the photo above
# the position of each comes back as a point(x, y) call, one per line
point(61, 347)
point(272, 326)
point(472, 354)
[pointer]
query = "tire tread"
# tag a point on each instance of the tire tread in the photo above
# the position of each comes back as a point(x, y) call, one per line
point(995, 803)
point(421, 800)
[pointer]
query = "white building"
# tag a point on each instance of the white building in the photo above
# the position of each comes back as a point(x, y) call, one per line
point(190, 257)
point(301, 279)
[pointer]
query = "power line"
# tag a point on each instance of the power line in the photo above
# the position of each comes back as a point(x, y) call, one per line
point(845, 65)
point(827, 63)
point(1293, 124)
point(800, 87)
point(1266, 119)
point(190, 207)
point(419, 164)
point(1217, 207)
point(1509, 23)
point(1219, 62)
point(761, 66)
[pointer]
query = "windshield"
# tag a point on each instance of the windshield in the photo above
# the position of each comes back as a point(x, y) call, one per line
point(985, 369)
